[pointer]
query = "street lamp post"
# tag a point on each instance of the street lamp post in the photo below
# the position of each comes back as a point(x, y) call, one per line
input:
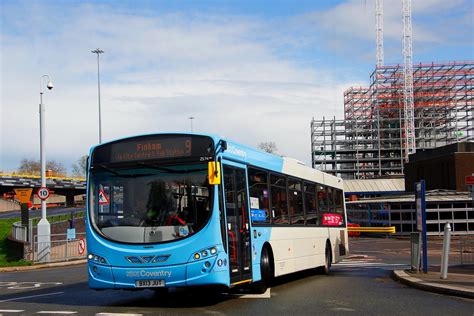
point(191, 118)
point(99, 51)
point(44, 229)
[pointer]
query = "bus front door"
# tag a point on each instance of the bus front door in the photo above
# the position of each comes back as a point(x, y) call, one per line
point(238, 226)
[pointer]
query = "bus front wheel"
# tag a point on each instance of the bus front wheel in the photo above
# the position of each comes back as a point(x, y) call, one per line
point(266, 270)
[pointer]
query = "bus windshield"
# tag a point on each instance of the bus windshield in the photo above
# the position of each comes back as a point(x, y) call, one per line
point(149, 203)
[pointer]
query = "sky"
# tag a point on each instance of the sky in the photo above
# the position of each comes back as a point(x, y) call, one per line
point(250, 71)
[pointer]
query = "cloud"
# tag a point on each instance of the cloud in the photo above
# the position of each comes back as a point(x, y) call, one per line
point(350, 26)
point(157, 70)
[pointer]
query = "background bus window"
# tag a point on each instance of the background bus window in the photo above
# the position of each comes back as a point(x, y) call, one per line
point(279, 199)
point(310, 203)
point(259, 196)
point(295, 198)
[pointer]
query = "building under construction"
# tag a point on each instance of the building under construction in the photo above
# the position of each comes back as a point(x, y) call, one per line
point(370, 141)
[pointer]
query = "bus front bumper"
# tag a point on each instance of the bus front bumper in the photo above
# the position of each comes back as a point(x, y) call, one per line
point(189, 274)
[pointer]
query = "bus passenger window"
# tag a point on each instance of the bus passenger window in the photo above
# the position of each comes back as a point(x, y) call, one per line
point(310, 204)
point(259, 196)
point(322, 201)
point(295, 198)
point(339, 201)
point(330, 199)
point(279, 200)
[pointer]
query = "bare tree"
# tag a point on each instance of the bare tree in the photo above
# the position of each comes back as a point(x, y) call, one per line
point(33, 167)
point(269, 147)
point(80, 169)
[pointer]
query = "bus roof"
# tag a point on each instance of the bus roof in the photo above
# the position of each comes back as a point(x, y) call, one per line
point(248, 155)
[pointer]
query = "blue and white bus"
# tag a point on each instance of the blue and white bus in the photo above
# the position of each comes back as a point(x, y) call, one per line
point(179, 210)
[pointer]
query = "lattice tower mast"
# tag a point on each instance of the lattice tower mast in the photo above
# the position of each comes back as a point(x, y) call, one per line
point(379, 31)
point(409, 108)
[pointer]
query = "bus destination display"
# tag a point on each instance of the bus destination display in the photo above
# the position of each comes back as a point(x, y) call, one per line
point(143, 150)
point(153, 148)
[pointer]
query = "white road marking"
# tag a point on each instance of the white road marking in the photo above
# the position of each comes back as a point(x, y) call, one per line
point(264, 295)
point(114, 314)
point(31, 296)
point(11, 310)
point(25, 285)
point(57, 312)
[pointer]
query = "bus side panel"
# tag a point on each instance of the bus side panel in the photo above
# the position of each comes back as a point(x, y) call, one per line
point(339, 243)
point(260, 235)
point(297, 248)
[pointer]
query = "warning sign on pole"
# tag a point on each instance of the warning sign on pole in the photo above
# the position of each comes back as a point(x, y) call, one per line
point(23, 195)
point(103, 199)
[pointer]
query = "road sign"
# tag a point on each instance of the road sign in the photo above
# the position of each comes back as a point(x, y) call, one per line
point(103, 200)
point(82, 246)
point(469, 180)
point(43, 193)
point(23, 195)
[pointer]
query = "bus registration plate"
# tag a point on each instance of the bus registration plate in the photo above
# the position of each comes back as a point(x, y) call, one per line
point(150, 283)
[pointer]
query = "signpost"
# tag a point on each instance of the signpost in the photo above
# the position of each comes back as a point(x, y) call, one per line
point(420, 197)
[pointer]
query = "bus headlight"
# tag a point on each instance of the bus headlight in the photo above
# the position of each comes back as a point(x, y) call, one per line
point(212, 251)
point(96, 258)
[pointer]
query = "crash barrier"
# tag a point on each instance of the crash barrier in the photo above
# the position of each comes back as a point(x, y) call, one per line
point(353, 233)
point(387, 230)
point(60, 248)
point(467, 249)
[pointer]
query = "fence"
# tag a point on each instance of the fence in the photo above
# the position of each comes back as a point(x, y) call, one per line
point(467, 249)
point(20, 232)
point(60, 248)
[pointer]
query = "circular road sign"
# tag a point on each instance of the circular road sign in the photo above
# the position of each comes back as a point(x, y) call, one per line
point(82, 246)
point(43, 193)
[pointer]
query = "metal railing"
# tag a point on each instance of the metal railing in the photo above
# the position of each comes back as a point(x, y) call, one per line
point(20, 232)
point(60, 249)
point(466, 249)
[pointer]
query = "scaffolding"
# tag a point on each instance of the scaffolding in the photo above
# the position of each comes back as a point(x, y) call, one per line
point(370, 141)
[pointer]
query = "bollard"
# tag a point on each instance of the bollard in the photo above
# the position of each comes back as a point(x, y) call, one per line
point(445, 253)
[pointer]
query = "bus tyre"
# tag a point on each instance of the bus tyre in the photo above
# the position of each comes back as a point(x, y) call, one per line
point(266, 271)
point(327, 259)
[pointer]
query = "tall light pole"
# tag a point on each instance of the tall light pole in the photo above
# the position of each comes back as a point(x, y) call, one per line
point(99, 51)
point(191, 118)
point(44, 229)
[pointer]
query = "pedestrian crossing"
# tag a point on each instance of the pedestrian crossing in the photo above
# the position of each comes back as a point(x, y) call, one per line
point(367, 262)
